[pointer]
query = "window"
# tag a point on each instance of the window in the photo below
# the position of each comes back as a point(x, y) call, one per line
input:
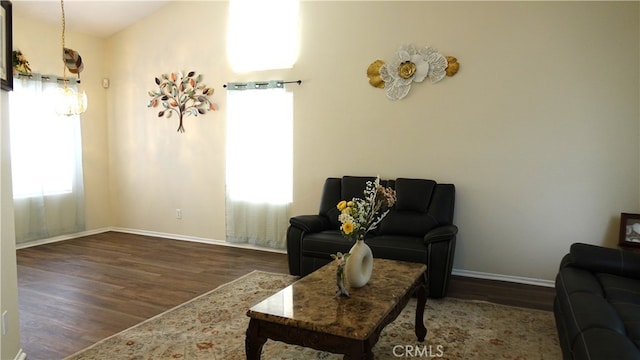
point(46, 162)
point(262, 35)
point(259, 164)
point(260, 145)
point(43, 144)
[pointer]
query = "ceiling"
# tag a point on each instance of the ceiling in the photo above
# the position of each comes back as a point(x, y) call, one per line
point(99, 18)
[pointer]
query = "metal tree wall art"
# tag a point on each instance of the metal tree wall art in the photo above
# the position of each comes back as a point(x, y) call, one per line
point(184, 95)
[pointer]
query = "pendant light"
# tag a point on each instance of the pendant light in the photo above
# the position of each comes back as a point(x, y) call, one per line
point(69, 101)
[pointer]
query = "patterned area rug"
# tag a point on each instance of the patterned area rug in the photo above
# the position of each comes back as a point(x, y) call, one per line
point(213, 325)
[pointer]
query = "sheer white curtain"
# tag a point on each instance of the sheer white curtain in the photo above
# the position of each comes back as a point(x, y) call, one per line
point(259, 164)
point(46, 162)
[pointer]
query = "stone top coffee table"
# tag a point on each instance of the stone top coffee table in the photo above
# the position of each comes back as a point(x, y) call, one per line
point(306, 312)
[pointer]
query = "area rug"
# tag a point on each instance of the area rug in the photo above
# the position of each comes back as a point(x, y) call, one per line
point(213, 325)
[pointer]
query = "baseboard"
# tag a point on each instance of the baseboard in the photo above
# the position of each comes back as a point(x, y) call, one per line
point(195, 239)
point(500, 277)
point(61, 238)
point(21, 355)
point(458, 272)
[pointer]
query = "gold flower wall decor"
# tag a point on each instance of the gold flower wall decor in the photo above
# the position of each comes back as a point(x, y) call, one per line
point(20, 63)
point(408, 66)
point(180, 94)
point(373, 73)
point(407, 69)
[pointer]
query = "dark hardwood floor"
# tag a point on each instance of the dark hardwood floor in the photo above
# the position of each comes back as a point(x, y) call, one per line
point(76, 292)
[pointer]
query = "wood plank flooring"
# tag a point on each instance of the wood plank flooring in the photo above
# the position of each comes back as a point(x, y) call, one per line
point(76, 292)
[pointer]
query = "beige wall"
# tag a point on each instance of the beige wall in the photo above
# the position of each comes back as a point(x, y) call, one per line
point(154, 169)
point(9, 343)
point(539, 130)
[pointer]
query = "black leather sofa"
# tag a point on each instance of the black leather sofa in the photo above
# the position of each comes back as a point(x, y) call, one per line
point(419, 228)
point(597, 303)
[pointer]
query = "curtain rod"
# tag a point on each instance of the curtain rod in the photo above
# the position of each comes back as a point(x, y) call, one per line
point(263, 83)
point(47, 77)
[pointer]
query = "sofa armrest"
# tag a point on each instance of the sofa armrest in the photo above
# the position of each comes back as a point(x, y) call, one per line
point(441, 242)
point(600, 259)
point(310, 223)
point(441, 233)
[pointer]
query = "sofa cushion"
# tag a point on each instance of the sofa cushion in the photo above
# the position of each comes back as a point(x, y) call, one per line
point(413, 194)
point(325, 243)
point(603, 344)
point(590, 311)
point(442, 204)
point(402, 248)
point(331, 195)
point(605, 260)
point(406, 223)
point(620, 289)
point(624, 295)
point(630, 314)
point(333, 215)
point(571, 280)
point(353, 186)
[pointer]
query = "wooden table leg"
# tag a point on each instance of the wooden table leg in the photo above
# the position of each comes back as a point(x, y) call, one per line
point(421, 291)
point(253, 342)
point(359, 350)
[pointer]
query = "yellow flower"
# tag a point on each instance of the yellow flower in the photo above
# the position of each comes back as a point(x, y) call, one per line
point(341, 205)
point(347, 228)
point(350, 204)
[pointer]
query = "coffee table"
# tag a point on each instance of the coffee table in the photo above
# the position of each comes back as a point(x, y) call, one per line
point(306, 313)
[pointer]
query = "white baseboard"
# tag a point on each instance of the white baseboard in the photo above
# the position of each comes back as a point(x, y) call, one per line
point(500, 277)
point(458, 272)
point(61, 238)
point(195, 239)
point(21, 355)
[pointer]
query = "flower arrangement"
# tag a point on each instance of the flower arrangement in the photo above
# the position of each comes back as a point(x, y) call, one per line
point(359, 216)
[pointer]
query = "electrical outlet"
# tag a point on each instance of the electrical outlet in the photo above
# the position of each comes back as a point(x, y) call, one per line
point(4, 323)
point(178, 213)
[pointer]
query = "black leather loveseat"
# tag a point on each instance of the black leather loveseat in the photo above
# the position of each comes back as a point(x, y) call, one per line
point(597, 304)
point(419, 228)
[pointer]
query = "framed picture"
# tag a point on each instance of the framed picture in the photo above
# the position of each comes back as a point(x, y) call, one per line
point(629, 230)
point(6, 47)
